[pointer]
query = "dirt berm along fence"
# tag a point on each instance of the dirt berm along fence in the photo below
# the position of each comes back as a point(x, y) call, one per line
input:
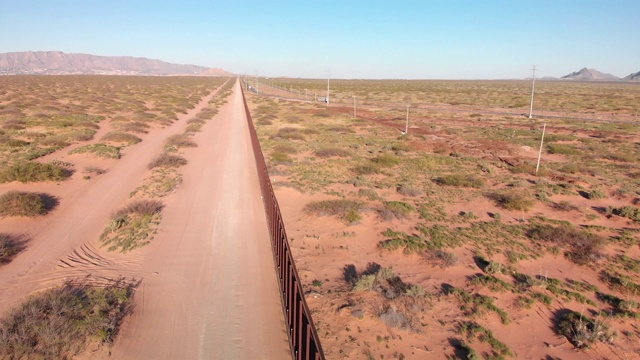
point(303, 337)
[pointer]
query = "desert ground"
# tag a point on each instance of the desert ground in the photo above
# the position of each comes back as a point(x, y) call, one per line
point(444, 242)
point(198, 265)
point(440, 243)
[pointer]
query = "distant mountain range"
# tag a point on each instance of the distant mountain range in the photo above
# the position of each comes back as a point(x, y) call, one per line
point(632, 77)
point(585, 74)
point(59, 63)
point(590, 74)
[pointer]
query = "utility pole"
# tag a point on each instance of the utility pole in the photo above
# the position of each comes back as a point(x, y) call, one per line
point(540, 153)
point(355, 112)
point(406, 126)
point(257, 84)
point(533, 86)
point(327, 91)
point(328, 77)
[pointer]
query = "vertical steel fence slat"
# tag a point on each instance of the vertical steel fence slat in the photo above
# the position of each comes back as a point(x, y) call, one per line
point(303, 337)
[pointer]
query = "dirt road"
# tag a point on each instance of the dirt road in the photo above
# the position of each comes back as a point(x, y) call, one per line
point(209, 289)
point(214, 294)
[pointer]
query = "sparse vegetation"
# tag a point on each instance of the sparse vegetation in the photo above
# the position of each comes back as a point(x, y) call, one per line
point(473, 330)
point(346, 210)
point(58, 323)
point(441, 258)
point(596, 194)
point(18, 203)
point(630, 212)
point(564, 149)
point(121, 137)
point(180, 141)
point(512, 200)
point(445, 169)
point(583, 331)
point(132, 226)
point(101, 150)
point(10, 246)
point(584, 247)
point(33, 172)
point(166, 160)
point(461, 180)
point(395, 210)
point(409, 190)
point(331, 152)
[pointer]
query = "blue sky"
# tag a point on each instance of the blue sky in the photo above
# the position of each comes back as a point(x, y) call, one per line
point(443, 39)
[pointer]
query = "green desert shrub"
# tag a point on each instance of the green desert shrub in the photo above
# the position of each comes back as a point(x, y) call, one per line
point(29, 171)
point(596, 194)
point(134, 126)
point(194, 126)
point(395, 209)
point(370, 194)
point(583, 331)
point(58, 323)
point(563, 149)
point(386, 160)
point(281, 158)
point(17, 203)
point(367, 168)
point(101, 150)
point(133, 226)
point(512, 200)
point(121, 137)
point(10, 245)
point(346, 210)
point(630, 212)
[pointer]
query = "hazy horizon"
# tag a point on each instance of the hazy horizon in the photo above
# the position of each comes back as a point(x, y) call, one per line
point(445, 40)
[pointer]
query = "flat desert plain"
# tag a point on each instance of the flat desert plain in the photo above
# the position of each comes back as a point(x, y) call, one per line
point(446, 242)
point(133, 225)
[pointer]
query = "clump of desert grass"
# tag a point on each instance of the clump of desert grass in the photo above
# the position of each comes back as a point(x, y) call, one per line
point(10, 246)
point(512, 200)
point(177, 141)
point(132, 226)
point(166, 160)
point(347, 210)
point(58, 323)
point(121, 137)
point(31, 171)
point(28, 204)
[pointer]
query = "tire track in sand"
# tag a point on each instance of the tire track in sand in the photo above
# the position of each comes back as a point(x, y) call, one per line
point(71, 233)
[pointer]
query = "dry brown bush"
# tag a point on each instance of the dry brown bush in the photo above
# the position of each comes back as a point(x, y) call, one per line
point(167, 160)
point(121, 137)
point(180, 141)
point(17, 203)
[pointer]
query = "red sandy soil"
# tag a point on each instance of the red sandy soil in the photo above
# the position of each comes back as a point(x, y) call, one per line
point(208, 289)
point(322, 246)
point(321, 251)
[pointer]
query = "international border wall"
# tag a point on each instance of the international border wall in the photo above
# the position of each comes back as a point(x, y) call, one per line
point(303, 337)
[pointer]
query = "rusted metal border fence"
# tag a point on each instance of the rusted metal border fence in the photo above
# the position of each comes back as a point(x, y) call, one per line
point(303, 337)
